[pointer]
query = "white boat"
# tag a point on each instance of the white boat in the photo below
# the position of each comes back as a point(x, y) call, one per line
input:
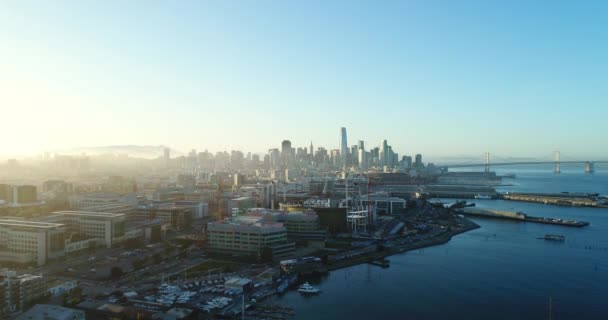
point(307, 288)
point(483, 197)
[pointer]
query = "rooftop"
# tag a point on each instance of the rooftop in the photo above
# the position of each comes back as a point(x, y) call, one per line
point(53, 312)
point(89, 214)
point(29, 224)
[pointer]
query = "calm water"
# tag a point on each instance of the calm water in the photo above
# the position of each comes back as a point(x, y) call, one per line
point(500, 271)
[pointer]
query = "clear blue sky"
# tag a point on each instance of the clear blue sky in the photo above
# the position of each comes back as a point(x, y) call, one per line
point(519, 78)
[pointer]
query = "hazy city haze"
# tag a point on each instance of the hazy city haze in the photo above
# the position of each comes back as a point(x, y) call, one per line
point(440, 78)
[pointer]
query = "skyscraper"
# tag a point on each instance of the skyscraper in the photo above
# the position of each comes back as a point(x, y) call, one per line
point(343, 146)
point(285, 152)
point(362, 155)
point(384, 154)
point(418, 163)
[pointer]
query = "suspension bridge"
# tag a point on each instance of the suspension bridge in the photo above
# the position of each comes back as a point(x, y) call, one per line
point(589, 165)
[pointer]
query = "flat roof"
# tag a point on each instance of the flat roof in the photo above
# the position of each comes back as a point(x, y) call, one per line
point(90, 214)
point(29, 224)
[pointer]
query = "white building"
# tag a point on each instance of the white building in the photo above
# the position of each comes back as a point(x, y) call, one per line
point(28, 241)
point(109, 228)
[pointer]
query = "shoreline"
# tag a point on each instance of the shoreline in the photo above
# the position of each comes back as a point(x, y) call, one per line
point(390, 251)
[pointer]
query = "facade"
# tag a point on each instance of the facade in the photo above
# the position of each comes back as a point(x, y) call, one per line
point(109, 228)
point(251, 239)
point(343, 146)
point(178, 218)
point(382, 203)
point(418, 162)
point(62, 288)
point(17, 195)
point(240, 205)
point(24, 241)
point(17, 292)
point(103, 202)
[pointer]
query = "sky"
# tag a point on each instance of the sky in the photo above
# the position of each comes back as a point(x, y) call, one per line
point(441, 78)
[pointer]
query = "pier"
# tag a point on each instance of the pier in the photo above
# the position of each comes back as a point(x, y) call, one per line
point(558, 199)
point(519, 216)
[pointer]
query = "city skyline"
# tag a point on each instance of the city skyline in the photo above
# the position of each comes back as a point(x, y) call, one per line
point(414, 74)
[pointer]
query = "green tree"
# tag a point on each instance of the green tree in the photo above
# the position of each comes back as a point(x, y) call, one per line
point(116, 273)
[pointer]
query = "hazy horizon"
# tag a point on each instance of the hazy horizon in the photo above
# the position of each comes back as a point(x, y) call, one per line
point(436, 78)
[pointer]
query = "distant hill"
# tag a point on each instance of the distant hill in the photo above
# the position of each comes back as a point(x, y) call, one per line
point(131, 150)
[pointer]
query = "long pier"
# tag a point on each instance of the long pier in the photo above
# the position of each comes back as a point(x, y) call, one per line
point(558, 199)
point(519, 216)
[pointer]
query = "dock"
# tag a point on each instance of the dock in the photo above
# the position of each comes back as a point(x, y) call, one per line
point(519, 216)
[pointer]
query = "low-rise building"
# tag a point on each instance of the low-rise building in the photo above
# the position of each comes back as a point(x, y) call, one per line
point(109, 228)
point(60, 288)
point(240, 205)
point(17, 292)
point(52, 312)
point(259, 239)
point(103, 202)
point(242, 284)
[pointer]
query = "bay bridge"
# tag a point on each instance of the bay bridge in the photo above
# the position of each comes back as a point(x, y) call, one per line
point(589, 165)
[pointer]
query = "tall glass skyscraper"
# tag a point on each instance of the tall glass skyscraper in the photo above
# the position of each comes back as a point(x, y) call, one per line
point(343, 146)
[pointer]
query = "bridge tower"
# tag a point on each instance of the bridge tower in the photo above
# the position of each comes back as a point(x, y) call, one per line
point(557, 168)
point(589, 167)
point(487, 168)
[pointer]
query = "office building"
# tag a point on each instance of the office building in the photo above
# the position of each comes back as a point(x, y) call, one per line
point(418, 163)
point(256, 239)
point(186, 181)
point(177, 217)
point(274, 157)
point(286, 152)
point(343, 147)
point(240, 205)
point(239, 179)
point(108, 228)
point(17, 195)
point(103, 202)
point(362, 155)
point(26, 242)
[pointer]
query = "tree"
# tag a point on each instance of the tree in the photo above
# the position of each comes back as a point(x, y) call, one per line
point(156, 258)
point(138, 264)
point(116, 273)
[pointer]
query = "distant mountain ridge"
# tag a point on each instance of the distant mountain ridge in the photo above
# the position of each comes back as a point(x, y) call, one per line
point(137, 151)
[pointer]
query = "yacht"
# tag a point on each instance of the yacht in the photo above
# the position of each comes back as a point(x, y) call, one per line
point(307, 288)
point(483, 197)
